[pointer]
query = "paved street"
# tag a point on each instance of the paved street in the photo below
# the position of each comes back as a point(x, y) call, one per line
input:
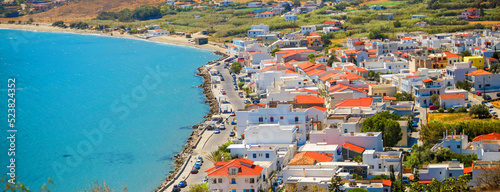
point(211, 141)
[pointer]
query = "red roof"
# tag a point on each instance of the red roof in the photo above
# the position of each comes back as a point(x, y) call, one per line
point(245, 167)
point(296, 51)
point(158, 30)
point(425, 182)
point(390, 98)
point(359, 43)
point(412, 76)
point(266, 13)
point(289, 71)
point(405, 38)
point(427, 80)
point(491, 136)
point(360, 69)
point(448, 54)
point(453, 96)
point(386, 182)
point(314, 34)
point(309, 158)
point(467, 170)
point(305, 65)
point(353, 147)
point(341, 87)
point(331, 22)
point(464, 35)
point(307, 90)
point(361, 102)
point(309, 99)
point(318, 108)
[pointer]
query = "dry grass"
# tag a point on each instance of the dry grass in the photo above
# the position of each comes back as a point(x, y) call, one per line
point(453, 117)
point(496, 103)
point(487, 23)
point(339, 40)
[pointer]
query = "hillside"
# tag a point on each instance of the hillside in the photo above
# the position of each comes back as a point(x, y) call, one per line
point(87, 9)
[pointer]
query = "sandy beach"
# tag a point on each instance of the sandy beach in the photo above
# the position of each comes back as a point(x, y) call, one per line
point(170, 39)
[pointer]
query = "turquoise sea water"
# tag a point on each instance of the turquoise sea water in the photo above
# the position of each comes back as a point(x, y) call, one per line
point(92, 108)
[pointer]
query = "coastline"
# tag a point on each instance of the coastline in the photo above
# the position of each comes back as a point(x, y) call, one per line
point(181, 159)
point(166, 39)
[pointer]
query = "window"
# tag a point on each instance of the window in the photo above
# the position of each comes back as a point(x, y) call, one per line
point(458, 146)
point(345, 130)
point(281, 117)
point(252, 180)
point(214, 181)
point(450, 175)
point(440, 172)
point(220, 180)
point(254, 155)
point(271, 119)
point(373, 167)
point(233, 181)
point(296, 119)
point(380, 166)
point(261, 119)
point(267, 155)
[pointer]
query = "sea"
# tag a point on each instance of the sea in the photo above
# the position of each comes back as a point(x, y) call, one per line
point(93, 109)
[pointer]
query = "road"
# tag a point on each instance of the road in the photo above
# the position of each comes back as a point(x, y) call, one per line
point(209, 140)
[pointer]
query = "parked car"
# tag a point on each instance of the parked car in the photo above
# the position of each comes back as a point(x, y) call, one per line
point(199, 162)
point(233, 122)
point(433, 107)
point(232, 134)
point(217, 131)
point(494, 113)
point(200, 158)
point(487, 97)
point(217, 64)
point(196, 166)
point(247, 101)
point(498, 94)
point(194, 171)
point(479, 93)
point(204, 180)
point(489, 105)
point(222, 127)
point(176, 188)
point(236, 87)
point(456, 106)
point(255, 101)
point(279, 181)
point(414, 124)
point(240, 94)
point(232, 114)
point(183, 184)
point(221, 78)
point(223, 91)
point(405, 179)
point(468, 105)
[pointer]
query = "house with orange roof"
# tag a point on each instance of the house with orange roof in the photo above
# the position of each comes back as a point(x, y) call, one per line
point(334, 136)
point(470, 14)
point(452, 100)
point(298, 54)
point(361, 102)
point(306, 101)
point(265, 14)
point(478, 170)
point(457, 70)
point(487, 147)
point(309, 158)
point(307, 29)
point(236, 175)
point(483, 81)
point(342, 92)
point(382, 90)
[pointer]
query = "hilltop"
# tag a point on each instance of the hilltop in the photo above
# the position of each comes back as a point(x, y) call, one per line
point(88, 9)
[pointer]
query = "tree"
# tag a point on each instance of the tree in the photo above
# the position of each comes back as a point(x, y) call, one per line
point(199, 188)
point(59, 24)
point(403, 96)
point(296, 3)
point(380, 177)
point(236, 67)
point(385, 123)
point(397, 24)
point(335, 184)
point(464, 85)
point(241, 84)
point(358, 159)
point(466, 53)
point(273, 52)
point(435, 99)
point(416, 187)
point(287, 7)
point(331, 60)
point(479, 111)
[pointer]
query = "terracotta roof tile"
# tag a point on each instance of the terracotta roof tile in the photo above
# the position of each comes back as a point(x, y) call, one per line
point(491, 136)
point(479, 72)
point(309, 158)
point(245, 167)
point(361, 102)
point(309, 99)
point(353, 147)
point(453, 96)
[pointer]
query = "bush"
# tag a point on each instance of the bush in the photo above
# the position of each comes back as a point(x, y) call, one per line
point(79, 25)
point(479, 111)
point(450, 110)
point(59, 24)
point(462, 109)
point(441, 110)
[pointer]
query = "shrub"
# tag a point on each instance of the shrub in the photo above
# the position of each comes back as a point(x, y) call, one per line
point(450, 110)
point(479, 111)
point(441, 110)
point(462, 109)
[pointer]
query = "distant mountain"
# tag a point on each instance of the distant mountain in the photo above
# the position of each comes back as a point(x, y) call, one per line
point(87, 9)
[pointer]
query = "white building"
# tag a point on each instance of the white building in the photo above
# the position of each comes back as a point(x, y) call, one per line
point(237, 174)
point(158, 32)
point(307, 28)
point(331, 150)
point(271, 134)
point(290, 17)
point(441, 171)
point(369, 140)
point(452, 100)
point(255, 4)
point(382, 162)
point(256, 30)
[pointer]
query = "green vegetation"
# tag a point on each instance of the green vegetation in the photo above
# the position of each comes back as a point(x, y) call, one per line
point(79, 25)
point(404, 96)
point(241, 84)
point(433, 131)
point(380, 177)
point(388, 3)
point(236, 67)
point(385, 123)
point(219, 153)
point(435, 99)
point(59, 24)
point(335, 183)
point(446, 185)
point(479, 111)
point(199, 188)
point(423, 155)
point(357, 190)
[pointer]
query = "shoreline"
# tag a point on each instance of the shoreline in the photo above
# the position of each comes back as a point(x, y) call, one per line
point(165, 39)
point(181, 158)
